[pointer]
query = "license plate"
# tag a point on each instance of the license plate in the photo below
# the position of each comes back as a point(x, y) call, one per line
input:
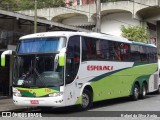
point(34, 101)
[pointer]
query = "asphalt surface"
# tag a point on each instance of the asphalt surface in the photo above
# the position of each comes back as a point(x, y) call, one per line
point(121, 108)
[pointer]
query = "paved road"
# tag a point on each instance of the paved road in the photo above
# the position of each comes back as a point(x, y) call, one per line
point(115, 107)
point(151, 103)
point(107, 107)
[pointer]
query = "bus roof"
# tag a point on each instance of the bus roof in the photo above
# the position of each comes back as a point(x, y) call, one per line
point(70, 33)
point(88, 34)
point(140, 43)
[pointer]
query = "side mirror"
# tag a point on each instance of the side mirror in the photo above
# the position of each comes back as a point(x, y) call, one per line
point(61, 57)
point(61, 60)
point(3, 57)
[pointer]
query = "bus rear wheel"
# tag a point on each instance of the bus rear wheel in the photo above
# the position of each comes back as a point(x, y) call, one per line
point(144, 91)
point(135, 94)
point(86, 100)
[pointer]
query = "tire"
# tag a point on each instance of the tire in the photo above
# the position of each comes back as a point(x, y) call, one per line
point(86, 100)
point(144, 91)
point(135, 94)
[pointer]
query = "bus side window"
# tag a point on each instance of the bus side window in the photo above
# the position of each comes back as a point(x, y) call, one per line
point(144, 54)
point(98, 49)
point(117, 51)
point(103, 50)
point(135, 53)
point(88, 48)
point(152, 55)
point(124, 54)
point(72, 58)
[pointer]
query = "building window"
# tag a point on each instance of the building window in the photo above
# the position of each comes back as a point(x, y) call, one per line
point(78, 2)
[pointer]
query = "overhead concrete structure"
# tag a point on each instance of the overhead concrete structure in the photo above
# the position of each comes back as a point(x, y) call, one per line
point(13, 25)
point(111, 25)
point(22, 19)
point(113, 15)
point(90, 9)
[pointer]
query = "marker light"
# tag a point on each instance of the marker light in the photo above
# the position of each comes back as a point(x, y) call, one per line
point(56, 94)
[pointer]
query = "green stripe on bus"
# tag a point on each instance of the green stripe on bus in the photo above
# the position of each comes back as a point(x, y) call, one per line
point(3, 61)
point(120, 84)
point(37, 92)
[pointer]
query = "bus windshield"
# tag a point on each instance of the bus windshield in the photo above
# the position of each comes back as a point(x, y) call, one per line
point(39, 70)
point(36, 62)
point(41, 45)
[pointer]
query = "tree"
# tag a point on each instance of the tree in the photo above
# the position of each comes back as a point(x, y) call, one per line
point(15, 5)
point(103, 1)
point(136, 33)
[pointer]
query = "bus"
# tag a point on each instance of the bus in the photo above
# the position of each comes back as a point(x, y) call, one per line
point(63, 68)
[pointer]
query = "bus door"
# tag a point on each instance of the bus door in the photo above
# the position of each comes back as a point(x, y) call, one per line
point(72, 66)
point(5, 78)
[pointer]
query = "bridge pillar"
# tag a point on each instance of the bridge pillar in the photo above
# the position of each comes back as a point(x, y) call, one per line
point(158, 37)
point(90, 19)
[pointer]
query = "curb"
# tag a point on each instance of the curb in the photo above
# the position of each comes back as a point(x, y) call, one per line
point(15, 110)
point(5, 97)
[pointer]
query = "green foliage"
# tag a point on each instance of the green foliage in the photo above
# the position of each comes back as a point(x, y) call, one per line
point(103, 1)
point(136, 33)
point(14, 5)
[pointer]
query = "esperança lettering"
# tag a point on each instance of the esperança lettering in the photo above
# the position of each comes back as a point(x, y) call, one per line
point(99, 68)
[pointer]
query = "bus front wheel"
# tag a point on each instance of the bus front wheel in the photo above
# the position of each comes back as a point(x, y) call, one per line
point(86, 100)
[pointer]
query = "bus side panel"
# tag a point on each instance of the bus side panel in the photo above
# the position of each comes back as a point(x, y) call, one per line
point(120, 83)
point(153, 82)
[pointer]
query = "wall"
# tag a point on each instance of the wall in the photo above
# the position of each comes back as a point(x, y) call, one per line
point(82, 2)
point(158, 36)
point(111, 24)
point(76, 20)
point(12, 29)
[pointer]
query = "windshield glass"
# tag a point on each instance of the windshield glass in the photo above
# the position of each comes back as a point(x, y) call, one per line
point(41, 45)
point(40, 70)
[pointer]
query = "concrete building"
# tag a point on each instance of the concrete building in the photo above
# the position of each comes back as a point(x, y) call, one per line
point(113, 16)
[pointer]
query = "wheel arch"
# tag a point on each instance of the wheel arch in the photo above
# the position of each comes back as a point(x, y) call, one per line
point(141, 85)
point(137, 82)
point(89, 88)
point(145, 82)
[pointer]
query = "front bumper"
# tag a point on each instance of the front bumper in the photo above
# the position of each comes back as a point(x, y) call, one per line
point(39, 101)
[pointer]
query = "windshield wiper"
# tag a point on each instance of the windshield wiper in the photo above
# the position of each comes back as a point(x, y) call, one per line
point(35, 70)
point(40, 78)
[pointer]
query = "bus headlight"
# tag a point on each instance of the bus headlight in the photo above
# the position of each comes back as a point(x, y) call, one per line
point(18, 94)
point(56, 94)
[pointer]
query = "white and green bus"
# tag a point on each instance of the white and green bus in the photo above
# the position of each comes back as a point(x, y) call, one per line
point(76, 68)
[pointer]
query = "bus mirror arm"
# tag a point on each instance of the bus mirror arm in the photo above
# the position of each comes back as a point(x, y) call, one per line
point(55, 62)
point(3, 57)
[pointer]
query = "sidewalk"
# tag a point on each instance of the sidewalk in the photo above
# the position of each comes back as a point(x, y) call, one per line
point(6, 104)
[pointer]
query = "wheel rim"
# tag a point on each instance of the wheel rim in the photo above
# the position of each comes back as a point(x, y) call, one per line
point(144, 91)
point(136, 92)
point(85, 100)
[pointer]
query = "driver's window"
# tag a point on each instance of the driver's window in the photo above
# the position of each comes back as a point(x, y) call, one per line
point(72, 58)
